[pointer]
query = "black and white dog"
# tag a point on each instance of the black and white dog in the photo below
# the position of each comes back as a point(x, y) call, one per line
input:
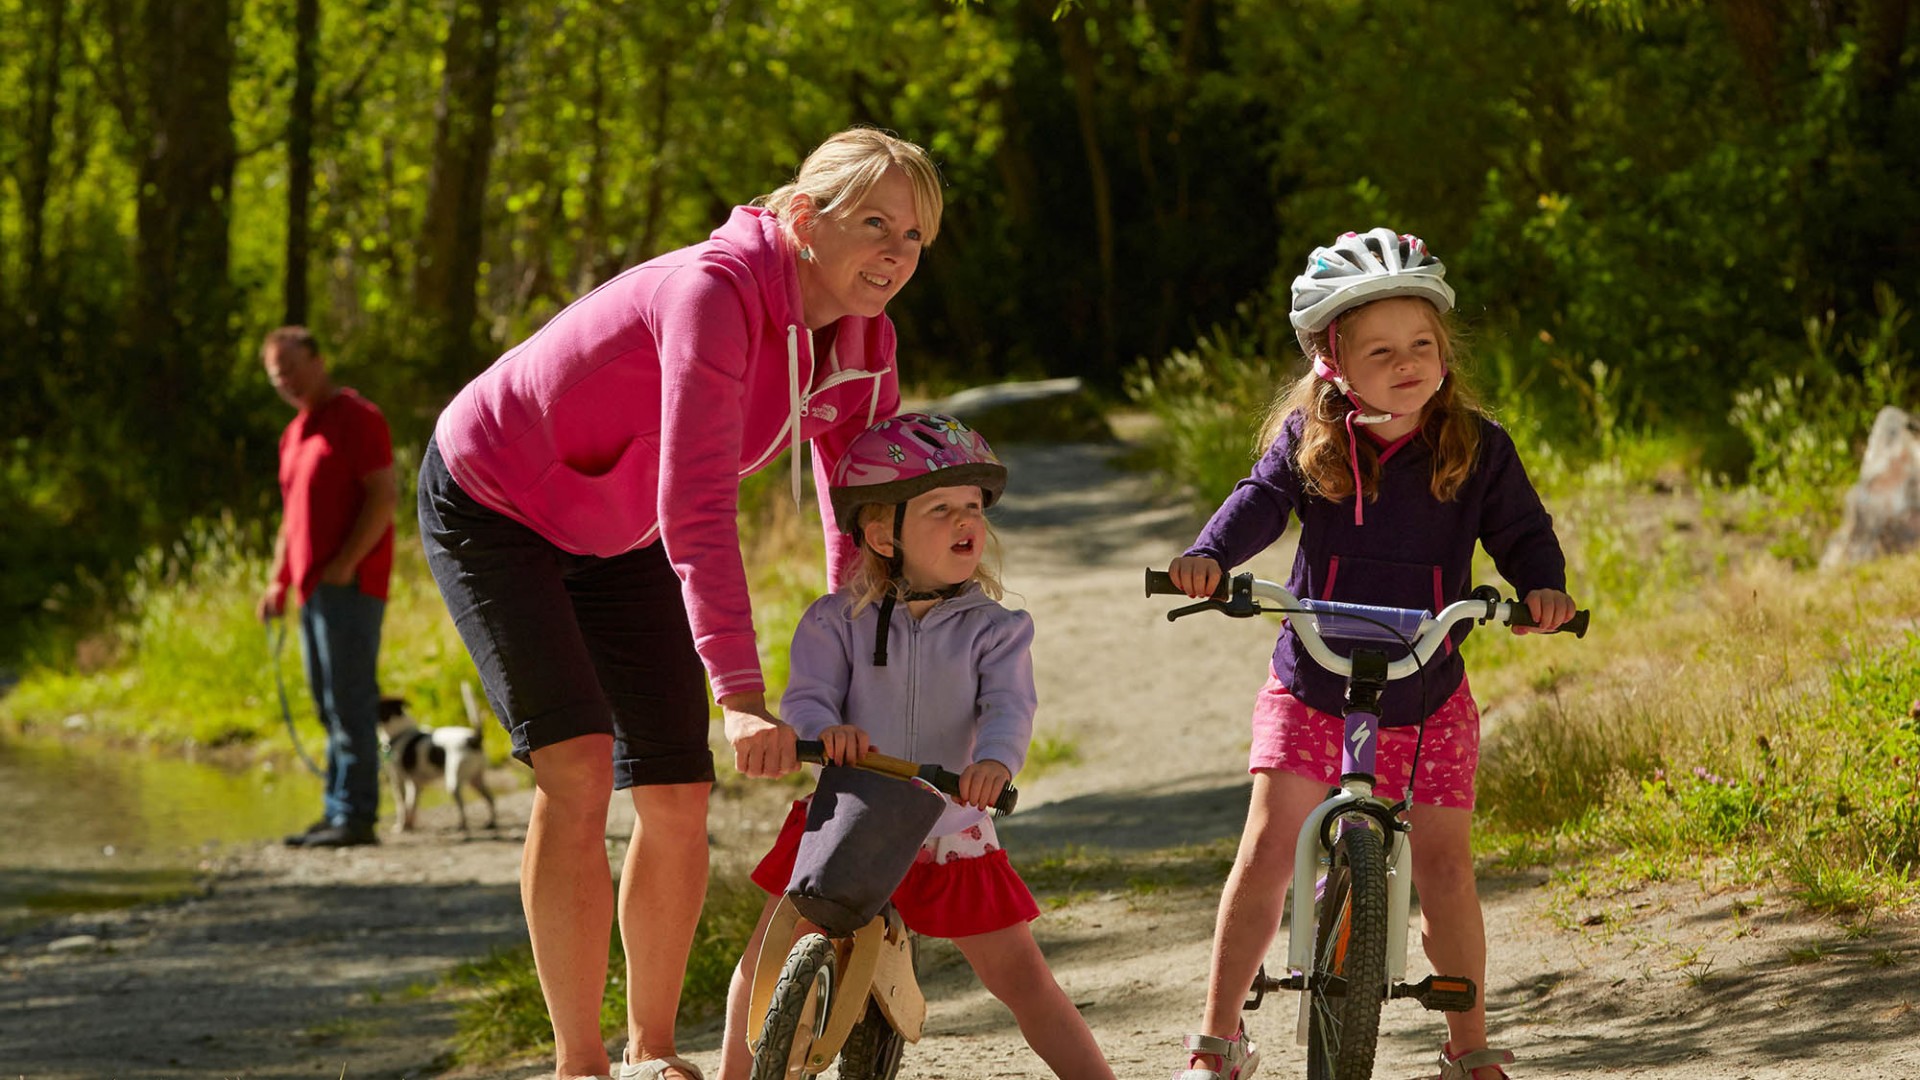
point(417, 756)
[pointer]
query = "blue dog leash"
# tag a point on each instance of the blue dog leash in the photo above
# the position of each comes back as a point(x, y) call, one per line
point(275, 643)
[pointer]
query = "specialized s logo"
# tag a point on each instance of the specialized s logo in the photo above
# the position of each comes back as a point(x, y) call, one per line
point(1359, 738)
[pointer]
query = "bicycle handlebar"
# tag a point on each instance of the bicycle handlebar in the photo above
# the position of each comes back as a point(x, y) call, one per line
point(814, 752)
point(1240, 596)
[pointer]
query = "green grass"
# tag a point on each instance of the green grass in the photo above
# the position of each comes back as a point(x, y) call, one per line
point(1046, 753)
point(503, 1014)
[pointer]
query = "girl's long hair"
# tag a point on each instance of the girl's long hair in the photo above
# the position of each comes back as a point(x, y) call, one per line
point(870, 581)
point(1451, 427)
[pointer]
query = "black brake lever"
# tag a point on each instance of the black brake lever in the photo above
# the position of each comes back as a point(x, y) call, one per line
point(1195, 609)
point(1238, 603)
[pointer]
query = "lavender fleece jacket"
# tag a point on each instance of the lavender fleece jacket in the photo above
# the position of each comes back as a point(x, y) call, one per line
point(631, 415)
point(957, 688)
point(1413, 552)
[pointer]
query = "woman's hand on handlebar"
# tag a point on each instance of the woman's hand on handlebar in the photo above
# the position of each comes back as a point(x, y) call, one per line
point(1549, 608)
point(845, 744)
point(982, 782)
point(1196, 574)
point(762, 744)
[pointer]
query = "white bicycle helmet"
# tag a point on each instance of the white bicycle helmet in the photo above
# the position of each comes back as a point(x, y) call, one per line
point(1360, 267)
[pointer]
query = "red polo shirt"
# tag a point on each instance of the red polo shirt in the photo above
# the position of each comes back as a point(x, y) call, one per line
point(325, 455)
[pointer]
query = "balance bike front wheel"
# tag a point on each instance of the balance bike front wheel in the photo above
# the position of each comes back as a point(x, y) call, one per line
point(797, 1013)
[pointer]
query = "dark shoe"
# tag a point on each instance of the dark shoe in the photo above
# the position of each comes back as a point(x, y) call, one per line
point(299, 839)
point(341, 836)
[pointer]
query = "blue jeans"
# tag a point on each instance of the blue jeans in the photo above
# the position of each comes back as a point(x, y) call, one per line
point(340, 638)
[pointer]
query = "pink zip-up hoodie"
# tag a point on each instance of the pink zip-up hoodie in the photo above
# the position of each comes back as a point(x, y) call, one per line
point(633, 413)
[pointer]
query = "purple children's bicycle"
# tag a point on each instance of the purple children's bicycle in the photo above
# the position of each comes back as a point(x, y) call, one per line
point(1352, 870)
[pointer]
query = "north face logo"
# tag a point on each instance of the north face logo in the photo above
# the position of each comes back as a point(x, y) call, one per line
point(824, 412)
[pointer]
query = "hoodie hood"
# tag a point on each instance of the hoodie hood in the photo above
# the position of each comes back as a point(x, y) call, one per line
point(753, 235)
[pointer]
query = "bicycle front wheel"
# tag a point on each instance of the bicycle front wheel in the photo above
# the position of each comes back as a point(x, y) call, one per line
point(797, 1015)
point(1349, 977)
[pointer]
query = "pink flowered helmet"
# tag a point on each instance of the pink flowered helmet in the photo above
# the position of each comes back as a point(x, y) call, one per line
point(897, 459)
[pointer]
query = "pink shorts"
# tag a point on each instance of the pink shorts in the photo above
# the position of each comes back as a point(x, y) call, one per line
point(1290, 736)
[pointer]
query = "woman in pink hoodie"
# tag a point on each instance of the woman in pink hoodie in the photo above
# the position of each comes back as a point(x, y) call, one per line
point(577, 505)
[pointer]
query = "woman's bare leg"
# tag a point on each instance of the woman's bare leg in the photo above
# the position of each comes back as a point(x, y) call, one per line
point(663, 884)
point(567, 891)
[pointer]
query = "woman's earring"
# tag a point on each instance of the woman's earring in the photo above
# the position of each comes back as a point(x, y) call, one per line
point(806, 253)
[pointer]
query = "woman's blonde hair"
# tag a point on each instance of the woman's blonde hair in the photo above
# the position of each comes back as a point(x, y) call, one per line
point(840, 172)
point(872, 578)
point(1450, 426)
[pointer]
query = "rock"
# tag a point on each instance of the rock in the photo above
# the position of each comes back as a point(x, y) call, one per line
point(74, 943)
point(1883, 509)
point(1045, 410)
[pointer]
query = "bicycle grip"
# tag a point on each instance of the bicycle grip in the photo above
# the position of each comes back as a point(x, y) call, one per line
point(950, 783)
point(1160, 583)
point(813, 752)
point(1518, 615)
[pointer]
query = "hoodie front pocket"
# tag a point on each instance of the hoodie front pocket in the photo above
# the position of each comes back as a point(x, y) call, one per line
point(604, 512)
point(1382, 583)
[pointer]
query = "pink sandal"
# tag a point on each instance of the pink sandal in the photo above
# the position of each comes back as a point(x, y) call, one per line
point(1234, 1059)
point(1463, 1067)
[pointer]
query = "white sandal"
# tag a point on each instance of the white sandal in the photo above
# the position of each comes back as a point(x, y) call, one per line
point(1238, 1057)
point(653, 1068)
point(1462, 1067)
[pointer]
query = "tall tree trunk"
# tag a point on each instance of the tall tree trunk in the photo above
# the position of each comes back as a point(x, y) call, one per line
point(662, 50)
point(1083, 67)
point(182, 299)
point(43, 96)
point(447, 273)
point(1757, 28)
point(593, 215)
point(306, 42)
point(1883, 36)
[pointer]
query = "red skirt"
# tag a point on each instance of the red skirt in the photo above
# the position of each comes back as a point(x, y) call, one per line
point(959, 886)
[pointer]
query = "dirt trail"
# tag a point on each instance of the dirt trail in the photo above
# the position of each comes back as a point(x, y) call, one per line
point(297, 966)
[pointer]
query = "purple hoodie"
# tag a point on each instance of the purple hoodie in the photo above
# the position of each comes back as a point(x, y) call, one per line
point(631, 415)
point(1413, 552)
point(957, 688)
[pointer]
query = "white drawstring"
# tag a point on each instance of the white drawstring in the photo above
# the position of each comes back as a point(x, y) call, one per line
point(793, 414)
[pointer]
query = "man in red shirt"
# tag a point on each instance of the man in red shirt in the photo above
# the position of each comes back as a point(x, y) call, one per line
point(336, 547)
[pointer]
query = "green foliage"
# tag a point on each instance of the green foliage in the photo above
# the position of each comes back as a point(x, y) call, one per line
point(1816, 788)
point(1210, 401)
point(1617, 186)
point(1806, 428)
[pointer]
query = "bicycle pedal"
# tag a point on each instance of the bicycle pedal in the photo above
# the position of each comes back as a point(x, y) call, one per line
point(1264, 984)
point(1440, 993)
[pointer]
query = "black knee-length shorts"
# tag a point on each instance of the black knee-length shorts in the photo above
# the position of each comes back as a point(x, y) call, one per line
point(570, 645)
